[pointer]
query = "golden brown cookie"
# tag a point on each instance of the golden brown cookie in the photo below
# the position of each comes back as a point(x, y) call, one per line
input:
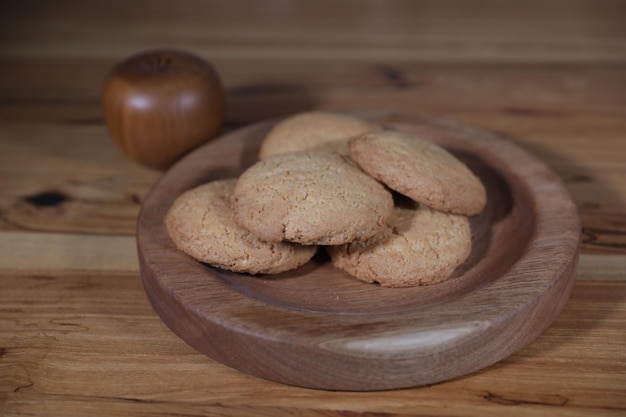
point(315, 197)
point(315, 130)
point(200, 224)
point(421, 170)
point(426, 246)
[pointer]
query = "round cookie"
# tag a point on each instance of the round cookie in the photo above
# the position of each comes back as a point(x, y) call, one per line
point(421, 170)
point(316, 130)
point(425, 248)
point(312, 198)
point(200, 224)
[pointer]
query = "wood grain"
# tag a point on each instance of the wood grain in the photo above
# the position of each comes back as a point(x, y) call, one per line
point(347, 335)
point(89, 343)
point(485, 30)
point(64, 252)
point(80, 338)
point(161, 104)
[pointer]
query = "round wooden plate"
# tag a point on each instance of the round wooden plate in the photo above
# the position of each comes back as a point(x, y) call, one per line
point(318, 327)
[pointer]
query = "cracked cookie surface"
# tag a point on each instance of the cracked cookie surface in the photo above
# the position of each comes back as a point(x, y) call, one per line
point(426, 246)
point(314, 197)
point(421, 170)
point(200, 223)
point(316, 130)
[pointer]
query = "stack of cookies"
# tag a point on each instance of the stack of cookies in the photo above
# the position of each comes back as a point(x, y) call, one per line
point(387, 207)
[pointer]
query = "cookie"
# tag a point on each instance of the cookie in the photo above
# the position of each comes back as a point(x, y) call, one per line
point(425, 248)
point(421, 170)
point(313, 197)
point(316, 130)
point(200, 224)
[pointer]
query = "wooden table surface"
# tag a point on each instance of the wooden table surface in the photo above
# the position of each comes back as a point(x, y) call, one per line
point(77, 333)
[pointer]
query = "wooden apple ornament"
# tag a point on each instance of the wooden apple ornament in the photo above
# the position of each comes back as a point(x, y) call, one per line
point(158, 105)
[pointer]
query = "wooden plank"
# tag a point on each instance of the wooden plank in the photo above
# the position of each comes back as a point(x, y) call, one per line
point(69, 88)
point(601, 267)
point(37, 253)
point(429, 30)
point(31, 252)
point(94, 188)
point(68, 180)
point(82, 344)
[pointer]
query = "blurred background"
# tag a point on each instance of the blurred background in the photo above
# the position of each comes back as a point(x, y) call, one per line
point(454, 57)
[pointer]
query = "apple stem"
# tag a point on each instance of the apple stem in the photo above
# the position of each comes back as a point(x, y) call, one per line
point(162, 62)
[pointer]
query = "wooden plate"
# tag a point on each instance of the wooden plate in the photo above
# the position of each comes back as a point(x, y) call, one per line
point(318, 327)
